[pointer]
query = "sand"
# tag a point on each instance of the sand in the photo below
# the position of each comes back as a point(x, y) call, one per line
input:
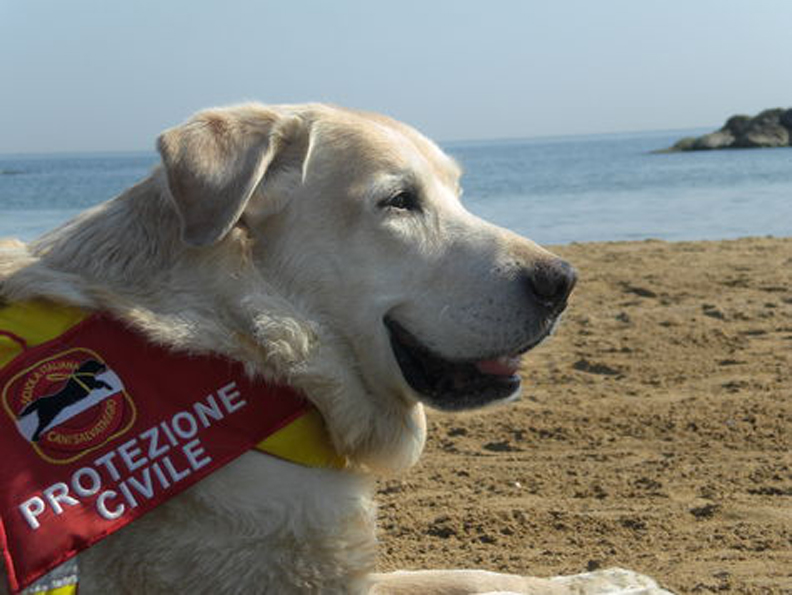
point(654, 432)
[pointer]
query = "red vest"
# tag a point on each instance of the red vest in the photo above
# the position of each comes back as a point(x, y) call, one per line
point(98, 426)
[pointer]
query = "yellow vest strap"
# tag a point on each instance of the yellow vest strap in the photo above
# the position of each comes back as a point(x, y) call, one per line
point(64, 590)
point(34, 322)
point(304, 441)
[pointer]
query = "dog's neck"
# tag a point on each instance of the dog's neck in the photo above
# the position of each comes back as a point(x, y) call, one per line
point(109, 259)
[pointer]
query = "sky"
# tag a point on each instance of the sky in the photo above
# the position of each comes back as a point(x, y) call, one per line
point(104, 75)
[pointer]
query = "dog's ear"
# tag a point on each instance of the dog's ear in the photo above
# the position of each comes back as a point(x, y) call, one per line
point(215, 161)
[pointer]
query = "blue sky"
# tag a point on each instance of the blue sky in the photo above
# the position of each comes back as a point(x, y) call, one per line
point(88, 75)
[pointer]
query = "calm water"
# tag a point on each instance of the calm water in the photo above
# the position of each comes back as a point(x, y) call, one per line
point(555, 190)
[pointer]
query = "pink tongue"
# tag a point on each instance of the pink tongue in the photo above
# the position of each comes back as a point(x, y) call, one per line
point(503, 366)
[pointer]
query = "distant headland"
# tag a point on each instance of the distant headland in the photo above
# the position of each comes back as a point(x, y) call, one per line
point(770, 128)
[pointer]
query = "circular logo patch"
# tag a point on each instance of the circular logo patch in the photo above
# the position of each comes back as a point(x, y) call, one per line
point(69, 404)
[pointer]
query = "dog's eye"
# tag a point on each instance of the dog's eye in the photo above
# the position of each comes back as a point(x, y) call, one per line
point(405, 200)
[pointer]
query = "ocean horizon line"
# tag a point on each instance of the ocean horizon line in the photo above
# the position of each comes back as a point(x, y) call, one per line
point(596, 187)
point(444, 143)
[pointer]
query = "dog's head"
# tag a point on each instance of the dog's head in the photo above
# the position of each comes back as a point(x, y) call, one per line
point(360, 216)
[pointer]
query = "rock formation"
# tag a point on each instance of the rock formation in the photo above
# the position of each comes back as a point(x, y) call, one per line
point(770, 128)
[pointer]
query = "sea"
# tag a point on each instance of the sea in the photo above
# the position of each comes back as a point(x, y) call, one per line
point(559, 190)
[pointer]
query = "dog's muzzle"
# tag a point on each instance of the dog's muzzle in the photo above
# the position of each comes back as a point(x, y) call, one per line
point(457, 385)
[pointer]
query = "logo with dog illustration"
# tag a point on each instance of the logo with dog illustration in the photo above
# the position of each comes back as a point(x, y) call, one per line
point(69, 405)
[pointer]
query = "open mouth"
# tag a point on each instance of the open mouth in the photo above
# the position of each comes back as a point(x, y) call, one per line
point(453, 385)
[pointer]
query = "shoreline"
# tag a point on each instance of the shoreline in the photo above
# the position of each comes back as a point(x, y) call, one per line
point(662, 241)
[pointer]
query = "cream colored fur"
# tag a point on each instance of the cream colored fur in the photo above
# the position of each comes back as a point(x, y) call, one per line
point(262, 237)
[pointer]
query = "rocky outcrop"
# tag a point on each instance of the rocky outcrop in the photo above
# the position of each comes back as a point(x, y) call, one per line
point(770, 128)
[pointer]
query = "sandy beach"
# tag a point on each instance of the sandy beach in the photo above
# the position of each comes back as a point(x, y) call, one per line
point(654, 432)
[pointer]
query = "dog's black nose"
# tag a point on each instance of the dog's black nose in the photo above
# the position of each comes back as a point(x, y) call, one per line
point(550, 283)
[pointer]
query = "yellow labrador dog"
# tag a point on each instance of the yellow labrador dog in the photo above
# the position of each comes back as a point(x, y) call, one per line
point(326, 248)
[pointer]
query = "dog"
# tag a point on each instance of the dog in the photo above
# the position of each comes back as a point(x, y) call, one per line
point(326, 248)
point(77, 387)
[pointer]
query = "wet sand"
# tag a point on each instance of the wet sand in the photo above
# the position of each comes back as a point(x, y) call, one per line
point(654, 432)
